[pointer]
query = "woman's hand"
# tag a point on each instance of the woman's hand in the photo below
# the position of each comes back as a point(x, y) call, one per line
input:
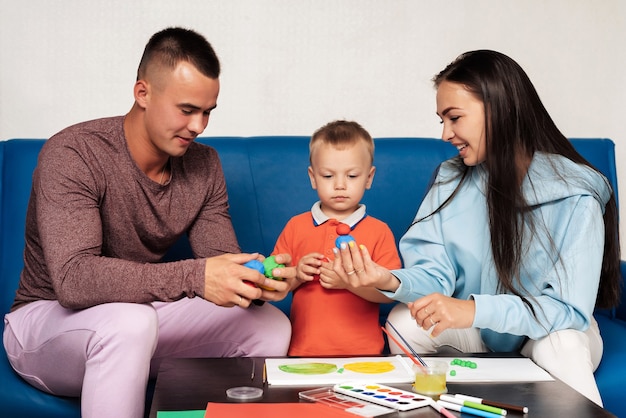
point(355, 267)
point(441, 312)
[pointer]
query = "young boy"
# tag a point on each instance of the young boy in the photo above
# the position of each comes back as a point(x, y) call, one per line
point(328, 317)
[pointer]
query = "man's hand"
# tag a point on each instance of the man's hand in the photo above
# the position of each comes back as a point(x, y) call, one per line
point(225, 280)
point(281, 287)
point(228, 283)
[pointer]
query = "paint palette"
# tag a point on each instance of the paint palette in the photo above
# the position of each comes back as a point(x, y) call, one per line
point(349, 404)
point(399, 399)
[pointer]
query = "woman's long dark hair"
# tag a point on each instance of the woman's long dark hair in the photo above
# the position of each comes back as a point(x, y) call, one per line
point(517, 123)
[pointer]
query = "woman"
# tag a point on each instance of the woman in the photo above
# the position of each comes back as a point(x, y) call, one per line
point(515, 243)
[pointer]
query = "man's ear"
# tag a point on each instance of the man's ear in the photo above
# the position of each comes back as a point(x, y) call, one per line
point(141, 92)
point(312, 178)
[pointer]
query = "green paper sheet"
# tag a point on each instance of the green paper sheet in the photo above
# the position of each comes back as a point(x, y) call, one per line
point(180, 414)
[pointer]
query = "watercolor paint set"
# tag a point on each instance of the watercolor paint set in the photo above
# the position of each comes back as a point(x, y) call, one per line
point(387, 396)
point(346, 403)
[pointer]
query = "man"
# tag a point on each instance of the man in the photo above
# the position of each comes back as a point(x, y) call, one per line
point(96, 309)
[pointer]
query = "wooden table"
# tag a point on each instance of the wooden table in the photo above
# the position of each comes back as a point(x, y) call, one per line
point(188, 384)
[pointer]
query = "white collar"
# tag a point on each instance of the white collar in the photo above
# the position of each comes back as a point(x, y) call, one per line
point(320, 217)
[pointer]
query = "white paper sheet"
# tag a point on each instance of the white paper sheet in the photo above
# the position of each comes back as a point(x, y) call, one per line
point(518, 369)
point(397, 369)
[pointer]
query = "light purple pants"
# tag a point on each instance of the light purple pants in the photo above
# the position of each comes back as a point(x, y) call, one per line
point(106, 353)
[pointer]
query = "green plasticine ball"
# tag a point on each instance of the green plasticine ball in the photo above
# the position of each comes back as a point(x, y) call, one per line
point(452, 372)
point(270, 264)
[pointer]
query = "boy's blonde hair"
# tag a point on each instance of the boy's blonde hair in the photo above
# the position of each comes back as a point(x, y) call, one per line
point(340, 134)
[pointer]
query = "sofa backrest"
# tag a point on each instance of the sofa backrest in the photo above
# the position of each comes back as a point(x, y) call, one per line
point(267, 184)
point(276, 171)
point(19, 158)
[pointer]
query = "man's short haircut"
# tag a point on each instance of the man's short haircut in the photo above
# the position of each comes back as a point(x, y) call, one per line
point(170, 46)
point(340, 134)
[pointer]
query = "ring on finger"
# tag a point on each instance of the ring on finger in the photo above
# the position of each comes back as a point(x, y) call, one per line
point(240, 300)
point(432, 322)
point(360, 271)
point(351, 272)
point(426, 311)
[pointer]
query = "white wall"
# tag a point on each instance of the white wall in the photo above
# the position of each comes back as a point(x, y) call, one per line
point(290, 66)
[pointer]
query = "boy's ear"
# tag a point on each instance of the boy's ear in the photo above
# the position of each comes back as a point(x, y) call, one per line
point(312, 178)
point(370, 178)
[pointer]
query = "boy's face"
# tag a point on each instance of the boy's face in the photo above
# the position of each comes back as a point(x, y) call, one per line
point(340, 177)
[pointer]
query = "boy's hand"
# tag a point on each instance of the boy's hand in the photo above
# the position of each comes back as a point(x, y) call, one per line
point(331, 280)
point(308, 268)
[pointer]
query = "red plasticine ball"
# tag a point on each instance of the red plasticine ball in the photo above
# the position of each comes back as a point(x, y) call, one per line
point(343, 229)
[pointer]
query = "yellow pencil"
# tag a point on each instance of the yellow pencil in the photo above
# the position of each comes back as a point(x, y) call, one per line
point(264, 373)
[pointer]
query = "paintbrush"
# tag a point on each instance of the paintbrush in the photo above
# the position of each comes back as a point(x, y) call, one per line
point(407, 344)
point(412, 354)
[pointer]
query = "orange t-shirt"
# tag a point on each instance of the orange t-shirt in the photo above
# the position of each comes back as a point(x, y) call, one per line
point(328, 322)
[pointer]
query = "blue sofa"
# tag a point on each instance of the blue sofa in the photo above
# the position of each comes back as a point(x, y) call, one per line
point(267, 184)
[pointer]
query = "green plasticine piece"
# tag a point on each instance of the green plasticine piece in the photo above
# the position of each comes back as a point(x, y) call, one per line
point(270, 264)
point(452, 372)
point(463, 363)
point(194, 413)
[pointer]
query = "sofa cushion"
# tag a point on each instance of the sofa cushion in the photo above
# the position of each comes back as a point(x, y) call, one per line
point(25, 401)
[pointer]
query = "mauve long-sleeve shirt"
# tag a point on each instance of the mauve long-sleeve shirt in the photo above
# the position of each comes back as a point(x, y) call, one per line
point(97, 227)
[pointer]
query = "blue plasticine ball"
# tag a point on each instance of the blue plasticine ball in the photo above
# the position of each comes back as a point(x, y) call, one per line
point(256, 265)
point(343, 238)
